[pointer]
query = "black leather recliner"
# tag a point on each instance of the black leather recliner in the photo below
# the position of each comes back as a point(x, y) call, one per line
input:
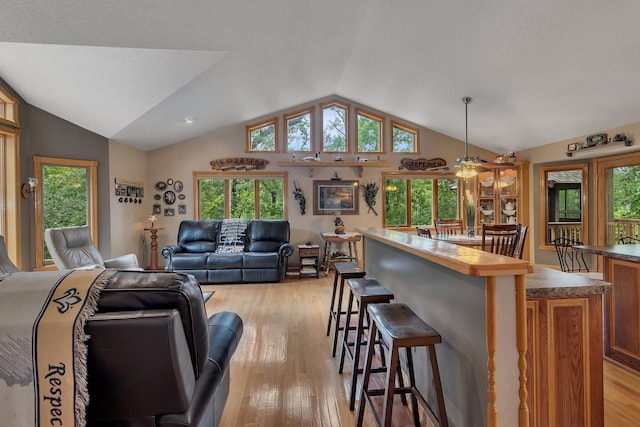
point(155, 359)
point(262, 258)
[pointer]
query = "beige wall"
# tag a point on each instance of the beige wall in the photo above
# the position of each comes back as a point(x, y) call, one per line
point(178, 161)
point(128, 220)
point(555, 153)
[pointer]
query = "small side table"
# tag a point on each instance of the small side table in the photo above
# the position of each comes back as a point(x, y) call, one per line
point(331, 238)
point(309, 260)
point(154, 247)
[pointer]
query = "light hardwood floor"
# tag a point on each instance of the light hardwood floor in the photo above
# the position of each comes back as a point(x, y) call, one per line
point(282, 373)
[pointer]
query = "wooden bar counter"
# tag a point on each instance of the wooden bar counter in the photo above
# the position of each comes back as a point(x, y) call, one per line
point(621, 267)
point(564, 349)
point(477, 302)
point(521, 347)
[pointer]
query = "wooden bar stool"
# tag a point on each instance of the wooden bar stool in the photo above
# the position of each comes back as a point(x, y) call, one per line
point(400, 327)
point(344, 271)
point(366, 291)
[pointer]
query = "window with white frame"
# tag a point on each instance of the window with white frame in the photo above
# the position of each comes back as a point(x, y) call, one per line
point(370, 132)
point(412, 200)
point(299, 127)
point(404, 139)
point(335, 135)
point(263, 137)
point(66, 196)
point(241, 195)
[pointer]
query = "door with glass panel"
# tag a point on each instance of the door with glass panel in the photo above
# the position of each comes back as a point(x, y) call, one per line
point(618, 198)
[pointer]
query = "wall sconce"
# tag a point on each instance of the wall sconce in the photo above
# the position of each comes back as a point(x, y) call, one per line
point(28, 187)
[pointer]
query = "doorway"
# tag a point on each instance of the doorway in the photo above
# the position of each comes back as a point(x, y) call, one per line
point(617, 198)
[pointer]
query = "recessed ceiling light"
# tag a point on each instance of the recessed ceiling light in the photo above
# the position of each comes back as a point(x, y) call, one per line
point(188, 120)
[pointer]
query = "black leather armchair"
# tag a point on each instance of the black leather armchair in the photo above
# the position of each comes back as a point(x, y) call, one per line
point(262, 257)
point(155, 359)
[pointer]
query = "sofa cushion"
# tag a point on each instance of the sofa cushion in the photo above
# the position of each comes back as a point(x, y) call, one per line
point(199, 236)
point(266, 235)
point(260, 259)
point(222, 261)
point(190, 261)
point(232, 275)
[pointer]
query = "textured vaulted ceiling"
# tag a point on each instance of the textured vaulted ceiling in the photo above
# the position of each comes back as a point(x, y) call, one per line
point(539, 71)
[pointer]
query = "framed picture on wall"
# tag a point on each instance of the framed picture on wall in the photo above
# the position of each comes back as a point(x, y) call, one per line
point(335, 197)
point(169, 212)
point(156, 209)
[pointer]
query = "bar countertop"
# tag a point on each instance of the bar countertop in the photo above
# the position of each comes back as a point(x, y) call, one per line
point(550, 283)
point(469, 261)
point(629, 253)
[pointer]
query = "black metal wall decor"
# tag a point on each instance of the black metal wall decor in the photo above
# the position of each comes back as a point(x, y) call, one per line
point(128, 191)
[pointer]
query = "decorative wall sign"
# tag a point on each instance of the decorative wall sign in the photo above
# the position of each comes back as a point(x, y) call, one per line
point(128, 191)
point(421, 164)
point(238, 163)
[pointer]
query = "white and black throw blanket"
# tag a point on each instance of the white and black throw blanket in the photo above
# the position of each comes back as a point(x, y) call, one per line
point(43, 352)
point(232, 235)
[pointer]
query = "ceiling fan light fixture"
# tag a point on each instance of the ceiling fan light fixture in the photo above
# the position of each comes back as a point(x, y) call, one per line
point(466, 172)
point(467, 163)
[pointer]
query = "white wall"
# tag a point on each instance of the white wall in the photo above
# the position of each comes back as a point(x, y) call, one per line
point(178, 161)
point(128, 220)
point(555, 152)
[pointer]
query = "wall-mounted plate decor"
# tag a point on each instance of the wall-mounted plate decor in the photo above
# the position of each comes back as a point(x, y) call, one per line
point(181, 196)
point(169, 197)
point(169, 181)
point(157, 197)
point(178, 186)
point(160, 185)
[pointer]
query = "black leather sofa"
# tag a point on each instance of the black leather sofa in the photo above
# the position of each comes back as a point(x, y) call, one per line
point(262, 257)
point(154, 358)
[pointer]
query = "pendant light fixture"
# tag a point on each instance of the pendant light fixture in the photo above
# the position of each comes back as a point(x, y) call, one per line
point(467, 164)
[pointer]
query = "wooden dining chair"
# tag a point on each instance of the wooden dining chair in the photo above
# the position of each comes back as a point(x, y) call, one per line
point(423, 232)
point(520, 245)
point(501, 239)
point(448, 226)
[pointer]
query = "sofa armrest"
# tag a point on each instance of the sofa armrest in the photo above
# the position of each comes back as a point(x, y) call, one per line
point(286, 250)
point(168, 252)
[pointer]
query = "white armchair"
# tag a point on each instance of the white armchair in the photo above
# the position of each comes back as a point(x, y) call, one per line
point(72, 248)
point(6, 265)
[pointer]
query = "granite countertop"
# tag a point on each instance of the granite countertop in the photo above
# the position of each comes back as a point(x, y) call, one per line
point(550, 283)
point(629, 253)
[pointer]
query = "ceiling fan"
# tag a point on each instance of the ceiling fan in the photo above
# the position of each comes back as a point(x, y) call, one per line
point(469, 166)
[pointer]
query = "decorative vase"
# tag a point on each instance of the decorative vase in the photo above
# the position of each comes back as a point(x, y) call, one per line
point(339, 229)
point(471, 231)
